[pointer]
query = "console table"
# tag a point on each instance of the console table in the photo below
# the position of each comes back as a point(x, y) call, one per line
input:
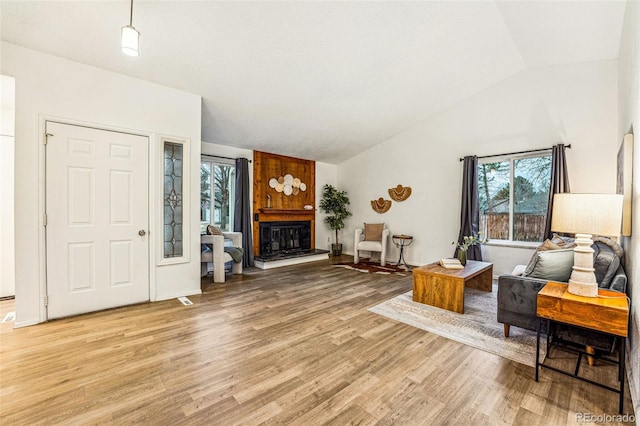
point(444, 288)
point(608, 313)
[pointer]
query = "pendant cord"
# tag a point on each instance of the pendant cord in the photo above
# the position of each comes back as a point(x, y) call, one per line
point(131, 15)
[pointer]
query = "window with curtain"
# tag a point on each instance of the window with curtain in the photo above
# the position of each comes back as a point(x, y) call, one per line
point(217, 193)
point(513, 196)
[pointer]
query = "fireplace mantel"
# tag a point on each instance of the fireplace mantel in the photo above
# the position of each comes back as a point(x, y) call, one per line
point(284, 212)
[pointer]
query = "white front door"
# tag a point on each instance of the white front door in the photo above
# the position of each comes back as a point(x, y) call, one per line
point(97, 219)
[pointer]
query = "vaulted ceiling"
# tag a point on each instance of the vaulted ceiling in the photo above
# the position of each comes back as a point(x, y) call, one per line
point(320, 80)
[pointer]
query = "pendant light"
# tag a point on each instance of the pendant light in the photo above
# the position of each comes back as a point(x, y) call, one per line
point(130, 37)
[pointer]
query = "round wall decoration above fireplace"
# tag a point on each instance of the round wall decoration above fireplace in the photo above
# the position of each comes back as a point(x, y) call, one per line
point(287, 184)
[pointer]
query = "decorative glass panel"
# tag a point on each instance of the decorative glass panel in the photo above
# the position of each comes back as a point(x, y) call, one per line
point(173, 161)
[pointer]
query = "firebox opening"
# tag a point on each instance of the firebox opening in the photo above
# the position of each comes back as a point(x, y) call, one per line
point(284, 238)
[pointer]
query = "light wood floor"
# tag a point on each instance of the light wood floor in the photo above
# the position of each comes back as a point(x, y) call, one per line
point(294, 345)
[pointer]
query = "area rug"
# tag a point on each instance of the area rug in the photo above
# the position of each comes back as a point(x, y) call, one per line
point(368, 266)
point(477, 327)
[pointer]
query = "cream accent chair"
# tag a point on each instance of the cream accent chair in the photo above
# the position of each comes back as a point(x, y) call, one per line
point(218, 256)
point(371, 246)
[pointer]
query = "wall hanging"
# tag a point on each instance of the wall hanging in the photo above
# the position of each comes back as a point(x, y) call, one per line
point(400, 193)
point(287, 184)
point(381, 205)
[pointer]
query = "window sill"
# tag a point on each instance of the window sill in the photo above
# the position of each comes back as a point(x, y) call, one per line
point(512, 244)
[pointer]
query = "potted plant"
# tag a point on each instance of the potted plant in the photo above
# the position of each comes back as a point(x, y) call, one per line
point(467, 241)
point(334, 203)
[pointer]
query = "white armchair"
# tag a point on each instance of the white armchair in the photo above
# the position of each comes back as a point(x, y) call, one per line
point(218, 256)
point(371, 245)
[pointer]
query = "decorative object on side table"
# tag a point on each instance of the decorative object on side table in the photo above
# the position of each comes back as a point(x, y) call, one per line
point(334, 203)
point(584, 215)
point(468, 241)
point(400, 193)
point(381, 205)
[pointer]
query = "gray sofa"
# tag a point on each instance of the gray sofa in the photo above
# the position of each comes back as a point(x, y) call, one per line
point(517, 294)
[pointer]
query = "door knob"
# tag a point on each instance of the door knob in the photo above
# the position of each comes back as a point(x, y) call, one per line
point(142, 232)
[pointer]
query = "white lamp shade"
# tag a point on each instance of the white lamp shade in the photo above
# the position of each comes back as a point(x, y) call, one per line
point(595, 214)
point(130, 39)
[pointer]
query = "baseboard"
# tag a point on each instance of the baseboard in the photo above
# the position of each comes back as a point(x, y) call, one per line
point(176, 295)
point(291, 261)
point(633, 390)
point(20, 324)
point(631, 381)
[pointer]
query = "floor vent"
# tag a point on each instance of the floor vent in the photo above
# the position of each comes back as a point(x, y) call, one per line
point(10, 317)
point(185, 301)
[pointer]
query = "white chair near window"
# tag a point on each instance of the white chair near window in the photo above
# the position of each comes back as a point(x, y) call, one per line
point(213, 251)
point(373, 238)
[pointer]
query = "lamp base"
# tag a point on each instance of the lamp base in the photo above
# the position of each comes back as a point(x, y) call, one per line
point(583, 280)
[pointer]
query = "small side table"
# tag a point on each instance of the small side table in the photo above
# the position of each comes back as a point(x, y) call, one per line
point(401, 241)
point(608, 313)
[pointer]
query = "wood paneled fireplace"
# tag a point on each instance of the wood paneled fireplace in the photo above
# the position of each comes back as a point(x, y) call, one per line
point(285, 208)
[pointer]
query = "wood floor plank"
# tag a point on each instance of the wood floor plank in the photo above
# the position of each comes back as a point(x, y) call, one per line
point(293, 345)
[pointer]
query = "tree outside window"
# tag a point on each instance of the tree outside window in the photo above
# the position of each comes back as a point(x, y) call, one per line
point(513, 197)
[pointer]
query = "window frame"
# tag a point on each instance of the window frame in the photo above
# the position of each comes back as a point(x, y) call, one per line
point(511, 159)
point(213, 160)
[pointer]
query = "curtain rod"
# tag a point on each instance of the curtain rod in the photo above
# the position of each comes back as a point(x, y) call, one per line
point(224, 158)
point(519, 152)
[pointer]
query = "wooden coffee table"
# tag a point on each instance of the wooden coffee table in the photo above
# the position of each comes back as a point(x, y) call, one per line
point(444, 288)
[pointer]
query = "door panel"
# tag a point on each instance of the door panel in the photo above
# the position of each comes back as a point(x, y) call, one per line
point(97, 201)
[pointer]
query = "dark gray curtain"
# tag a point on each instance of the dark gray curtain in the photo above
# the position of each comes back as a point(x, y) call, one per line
point(242, 217)
point(559, 182)
point(470, 210)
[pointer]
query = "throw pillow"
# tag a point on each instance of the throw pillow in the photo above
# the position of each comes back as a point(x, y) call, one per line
point(552, 265)
point(562, 241)
point(373, 231)
point(546, 245)
point(213, 230)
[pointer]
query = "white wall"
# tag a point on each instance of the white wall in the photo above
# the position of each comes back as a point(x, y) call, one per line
point(7, 143)
point(326, 174)
point(49, 86)
point(629, 120)
point(574, 104)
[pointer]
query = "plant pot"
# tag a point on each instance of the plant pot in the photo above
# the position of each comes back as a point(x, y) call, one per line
point(336, 249)
point(462, 257)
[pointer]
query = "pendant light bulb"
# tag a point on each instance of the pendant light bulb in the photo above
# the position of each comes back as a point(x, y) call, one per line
point(130, 37)
point(130, 40)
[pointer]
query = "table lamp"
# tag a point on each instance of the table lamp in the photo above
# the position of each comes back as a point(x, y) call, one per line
point(585, 215)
